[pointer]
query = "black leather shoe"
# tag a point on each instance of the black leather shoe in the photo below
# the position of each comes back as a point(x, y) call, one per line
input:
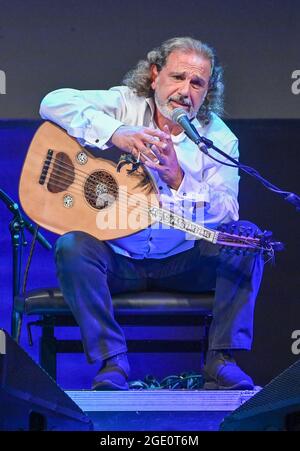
point(221, 372)
point(113, 375)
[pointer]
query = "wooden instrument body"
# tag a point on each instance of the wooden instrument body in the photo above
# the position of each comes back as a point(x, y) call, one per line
point(64, 197)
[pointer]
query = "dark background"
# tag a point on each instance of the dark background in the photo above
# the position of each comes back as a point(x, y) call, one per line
point(90, 45)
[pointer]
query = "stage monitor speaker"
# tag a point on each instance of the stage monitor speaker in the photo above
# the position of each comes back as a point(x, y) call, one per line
point(275, 408)
point(30, 400)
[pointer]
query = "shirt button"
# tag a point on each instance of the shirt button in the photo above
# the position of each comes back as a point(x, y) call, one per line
point(184, 194)
point(160, 187)
point(150, 239)
point(96, 140)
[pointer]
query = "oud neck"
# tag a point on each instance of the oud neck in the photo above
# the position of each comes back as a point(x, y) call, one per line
point(177, 222)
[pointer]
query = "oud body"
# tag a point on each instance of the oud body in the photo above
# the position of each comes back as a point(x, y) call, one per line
point(64, 187)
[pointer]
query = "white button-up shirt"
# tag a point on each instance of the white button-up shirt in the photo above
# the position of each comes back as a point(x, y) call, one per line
point(208, 192)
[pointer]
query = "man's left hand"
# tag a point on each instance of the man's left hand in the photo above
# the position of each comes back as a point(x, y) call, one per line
point(167, 166)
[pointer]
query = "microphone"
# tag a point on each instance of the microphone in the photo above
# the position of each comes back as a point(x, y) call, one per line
point(14, 208)
point(179, 115)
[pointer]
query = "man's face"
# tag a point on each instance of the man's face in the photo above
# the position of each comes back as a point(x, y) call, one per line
point(181, 83)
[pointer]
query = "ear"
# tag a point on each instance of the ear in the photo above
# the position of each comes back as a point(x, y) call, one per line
point(154, 75)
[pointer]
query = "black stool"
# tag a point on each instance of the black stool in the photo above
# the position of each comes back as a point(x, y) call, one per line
point(138, 309)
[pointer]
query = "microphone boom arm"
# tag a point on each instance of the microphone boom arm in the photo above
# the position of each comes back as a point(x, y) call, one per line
point(179, 115)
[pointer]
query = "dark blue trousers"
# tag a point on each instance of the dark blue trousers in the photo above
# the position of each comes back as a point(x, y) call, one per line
point(89, 271)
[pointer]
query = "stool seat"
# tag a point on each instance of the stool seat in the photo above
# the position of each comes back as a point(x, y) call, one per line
point(145, 309)
point(50, 301)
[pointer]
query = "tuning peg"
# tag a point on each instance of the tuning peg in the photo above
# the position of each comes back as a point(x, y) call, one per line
point(257, 234)
point(227, 250)
point(267, 234)
point(222, 227)
point(233, 228)
point(265, 237)
point(249, 231)
point(242, 230)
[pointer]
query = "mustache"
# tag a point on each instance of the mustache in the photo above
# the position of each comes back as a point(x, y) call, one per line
point(180, 99)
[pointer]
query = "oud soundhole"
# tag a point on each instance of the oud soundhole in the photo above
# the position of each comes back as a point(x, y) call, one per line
point(62, 174)
point(100, 190)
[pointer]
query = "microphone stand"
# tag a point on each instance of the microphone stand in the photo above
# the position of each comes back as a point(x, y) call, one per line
point(204, 144)
point(16, 227)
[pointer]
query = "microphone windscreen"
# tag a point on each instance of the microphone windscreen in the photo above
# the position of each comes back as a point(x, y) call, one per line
point(177, 114)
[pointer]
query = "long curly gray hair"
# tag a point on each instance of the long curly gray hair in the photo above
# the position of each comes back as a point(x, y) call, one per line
point(139, 79)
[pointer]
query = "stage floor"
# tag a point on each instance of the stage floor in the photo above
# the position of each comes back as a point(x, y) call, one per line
point(159, 410)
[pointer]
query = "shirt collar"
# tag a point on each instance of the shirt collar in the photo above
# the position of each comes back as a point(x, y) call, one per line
point(150, 102)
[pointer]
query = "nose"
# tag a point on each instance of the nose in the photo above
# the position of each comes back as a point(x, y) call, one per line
point(184, 88)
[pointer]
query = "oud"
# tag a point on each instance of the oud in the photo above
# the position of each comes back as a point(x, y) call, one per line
point(64, 187)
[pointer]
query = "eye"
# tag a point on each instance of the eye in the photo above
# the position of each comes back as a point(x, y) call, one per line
point(197, 84)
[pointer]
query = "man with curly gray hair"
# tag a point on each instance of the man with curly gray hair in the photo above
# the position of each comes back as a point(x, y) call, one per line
point(140, 78)
point(137, 117)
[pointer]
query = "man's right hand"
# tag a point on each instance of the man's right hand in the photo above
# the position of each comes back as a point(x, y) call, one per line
point(138, 140)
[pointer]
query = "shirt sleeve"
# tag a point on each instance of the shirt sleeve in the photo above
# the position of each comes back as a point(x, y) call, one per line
point(90, 116)
point(223, 185)
point(192, 190)
point(213, 199)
